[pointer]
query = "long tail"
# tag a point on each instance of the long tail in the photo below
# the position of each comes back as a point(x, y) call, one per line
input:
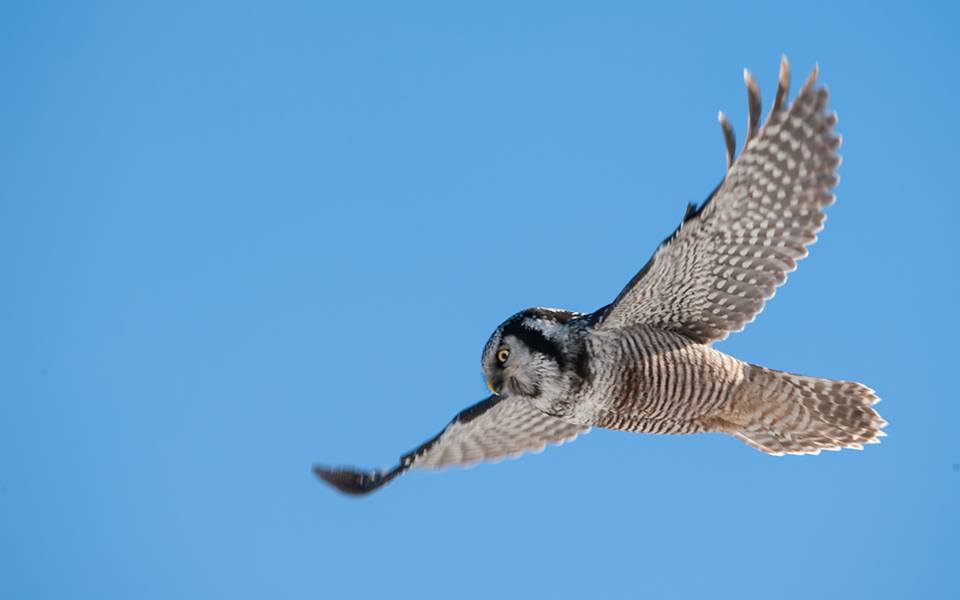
point(783, 413)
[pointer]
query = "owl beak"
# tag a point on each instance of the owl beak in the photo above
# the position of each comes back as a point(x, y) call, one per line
point(492, 389)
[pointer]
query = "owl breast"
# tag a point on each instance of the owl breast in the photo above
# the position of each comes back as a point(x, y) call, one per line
point(645, 379)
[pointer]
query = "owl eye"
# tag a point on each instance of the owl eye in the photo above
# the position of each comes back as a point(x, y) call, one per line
point(502, 355)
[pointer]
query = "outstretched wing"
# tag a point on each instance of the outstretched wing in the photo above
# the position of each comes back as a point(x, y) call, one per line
point(713, 275)
point(496, 428)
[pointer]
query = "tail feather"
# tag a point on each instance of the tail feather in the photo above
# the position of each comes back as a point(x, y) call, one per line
point(783, 413)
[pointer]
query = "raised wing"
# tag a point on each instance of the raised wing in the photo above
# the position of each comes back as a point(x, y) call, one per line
point(496, 428)
point(713, 275)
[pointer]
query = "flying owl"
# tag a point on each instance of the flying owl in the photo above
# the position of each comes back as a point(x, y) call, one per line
point(644, 363)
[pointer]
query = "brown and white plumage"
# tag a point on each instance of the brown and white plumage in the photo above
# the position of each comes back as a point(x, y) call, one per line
point(648, 380)
point(491, 430)
point(713, 275)
point(644, 363)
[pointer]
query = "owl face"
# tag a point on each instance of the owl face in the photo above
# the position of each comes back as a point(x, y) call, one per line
point(525, 356)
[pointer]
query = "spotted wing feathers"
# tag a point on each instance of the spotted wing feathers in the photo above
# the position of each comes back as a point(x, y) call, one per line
point(713, 275)
point(494, 429)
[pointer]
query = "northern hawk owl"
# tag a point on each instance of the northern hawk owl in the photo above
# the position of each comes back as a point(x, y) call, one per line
point(644, 363)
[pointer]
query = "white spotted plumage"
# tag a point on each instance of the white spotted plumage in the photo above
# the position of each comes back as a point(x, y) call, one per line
point(644, 362)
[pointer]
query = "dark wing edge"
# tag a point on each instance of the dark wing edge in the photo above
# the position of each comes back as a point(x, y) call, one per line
point(357, 483)
point(695, 216)
point(495, 428)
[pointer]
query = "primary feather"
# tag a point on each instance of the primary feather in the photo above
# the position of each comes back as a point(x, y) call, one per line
point(644, 363)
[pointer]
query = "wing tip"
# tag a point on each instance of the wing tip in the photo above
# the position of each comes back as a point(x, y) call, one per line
point(353, 482)
point(730, 142)
point(783, 87)
point(811, 80)
point(754, 106)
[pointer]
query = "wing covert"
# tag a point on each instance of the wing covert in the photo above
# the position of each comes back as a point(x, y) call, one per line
point(713, 275)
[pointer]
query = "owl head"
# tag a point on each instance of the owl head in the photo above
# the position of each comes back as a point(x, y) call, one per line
point(528, 354)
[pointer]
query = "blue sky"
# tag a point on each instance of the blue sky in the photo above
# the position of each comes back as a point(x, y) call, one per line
point(239, 239)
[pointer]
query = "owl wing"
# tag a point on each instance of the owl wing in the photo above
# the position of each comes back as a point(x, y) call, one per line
point(496, 428)
point(713, 275)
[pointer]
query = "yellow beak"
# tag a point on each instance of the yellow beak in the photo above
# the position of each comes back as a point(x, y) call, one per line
point(492, 389)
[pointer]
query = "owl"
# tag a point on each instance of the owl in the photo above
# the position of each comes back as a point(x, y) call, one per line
point(644, 363)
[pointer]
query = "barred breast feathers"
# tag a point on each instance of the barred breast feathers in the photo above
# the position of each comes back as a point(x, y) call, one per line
point(656, 381)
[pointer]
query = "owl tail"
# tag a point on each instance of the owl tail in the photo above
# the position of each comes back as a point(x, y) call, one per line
point(783, 413)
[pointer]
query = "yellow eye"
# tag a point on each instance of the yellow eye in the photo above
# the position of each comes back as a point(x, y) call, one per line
point(502, 355)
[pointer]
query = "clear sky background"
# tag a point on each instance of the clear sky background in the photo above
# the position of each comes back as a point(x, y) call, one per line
point(239, 239)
